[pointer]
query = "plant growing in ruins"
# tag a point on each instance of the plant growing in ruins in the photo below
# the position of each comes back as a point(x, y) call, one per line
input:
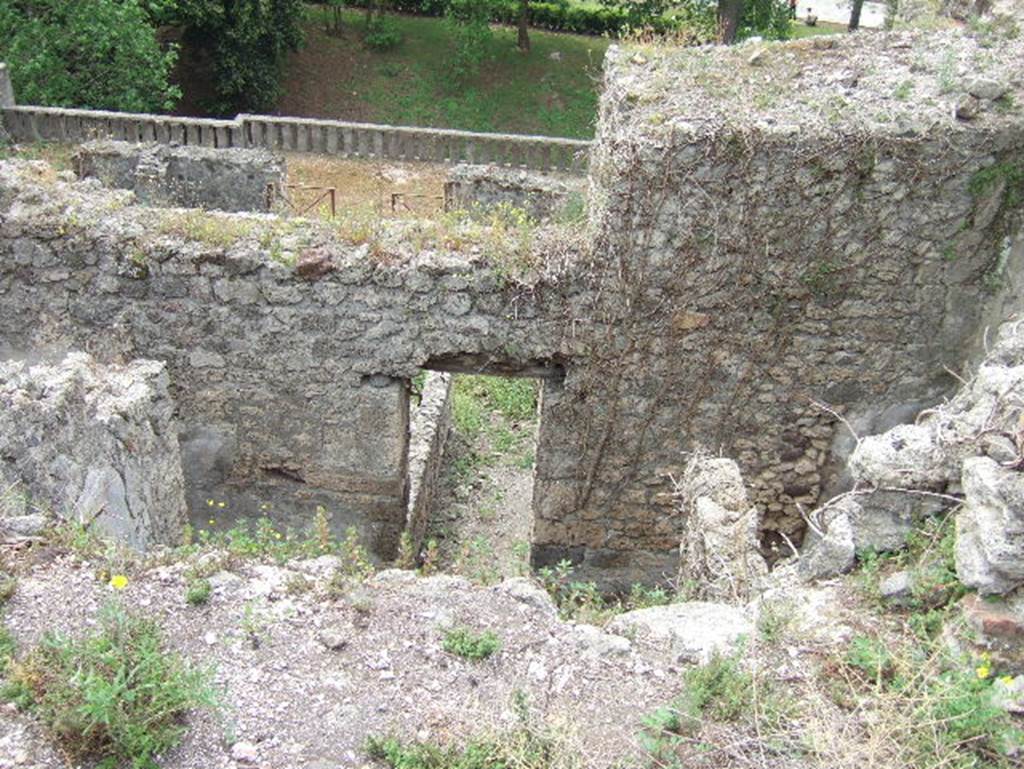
point(197, 592)
point(116, 695)
point(463, 642)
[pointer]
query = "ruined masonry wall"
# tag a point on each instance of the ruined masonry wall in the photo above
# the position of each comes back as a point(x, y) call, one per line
point(541, 196)
point(428, 434)
point(95, 444)
point(762, 239)
point(194, 177)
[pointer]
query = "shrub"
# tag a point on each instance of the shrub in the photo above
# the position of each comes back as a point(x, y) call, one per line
point(116, 695)
point(721, 689)
point(198, 591)
point(382, 34)
point(473, 646)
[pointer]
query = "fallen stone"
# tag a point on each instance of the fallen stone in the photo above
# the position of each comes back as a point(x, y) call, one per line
point(986, 88)
point(990, 528)
point(832, 551)
point(1009, 695)
point(905, 457)
point(692, 632)
point(23, 525)
point(968, 107)
point(528, 592)
point(332, 638)
point(885, 519)
point(245, 752)
point(898, 588)
point(995, 627)
point(592, 640)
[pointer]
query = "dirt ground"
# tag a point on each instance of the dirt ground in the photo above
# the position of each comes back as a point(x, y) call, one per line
point(303, 704)
point(390, 189)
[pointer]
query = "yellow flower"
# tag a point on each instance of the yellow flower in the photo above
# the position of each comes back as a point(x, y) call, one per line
point(983, 671)
point(1007, 680)
point(277, 535)
point(119, 582)
point(212, 522)
point(221, 504)
point(209, 502)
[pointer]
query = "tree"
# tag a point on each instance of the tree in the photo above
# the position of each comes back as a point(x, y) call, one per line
point(249, 40)
point(729, 14)
point(96, 54)
point(523, 41)
point(332, 23)
point(855, 14)
point(469, 24)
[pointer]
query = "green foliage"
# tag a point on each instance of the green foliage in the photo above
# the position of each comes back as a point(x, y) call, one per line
point(8, 587)
point(97, 54)
point(528, 745)
point(468, 23)
point(249, 40)
point(722, 689)
point(917, 683)
point(116, 695)
point(987, 179)
point(584, 602)
point(197, 592)
point(463, 642)
point(871, 657)
point(7, 647)
point(382, 34)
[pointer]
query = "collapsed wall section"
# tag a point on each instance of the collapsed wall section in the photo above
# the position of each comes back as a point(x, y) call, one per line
point(94, 444)
point(202, 177)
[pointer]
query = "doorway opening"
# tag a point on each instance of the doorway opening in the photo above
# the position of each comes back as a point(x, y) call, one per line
point(481, 515)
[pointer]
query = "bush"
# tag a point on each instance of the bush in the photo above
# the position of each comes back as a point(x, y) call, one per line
point(473, 646)
point(117, 695)
point(198, 591)
point(382, 34)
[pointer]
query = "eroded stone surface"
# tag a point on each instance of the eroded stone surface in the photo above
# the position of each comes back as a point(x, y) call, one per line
point(93, 444)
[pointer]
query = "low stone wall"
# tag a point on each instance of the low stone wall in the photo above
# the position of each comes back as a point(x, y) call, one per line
point(329, 137)
point(95, 444)
point(428, 435)
point(541, 196)
point(221, 179)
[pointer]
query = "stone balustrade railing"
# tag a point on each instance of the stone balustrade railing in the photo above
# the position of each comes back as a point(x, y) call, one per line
point(330, 137)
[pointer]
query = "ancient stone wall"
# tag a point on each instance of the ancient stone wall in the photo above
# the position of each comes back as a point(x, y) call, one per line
point(773, 228)
point(194, 177)
point(540, 196)
point(428, 434)
point(94, 444)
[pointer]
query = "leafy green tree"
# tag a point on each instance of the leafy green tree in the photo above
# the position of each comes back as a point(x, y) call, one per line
point(468, 22)
point(248, 41)
point(97, 54)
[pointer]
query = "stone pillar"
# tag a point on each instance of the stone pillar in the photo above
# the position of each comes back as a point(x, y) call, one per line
point(6, 88)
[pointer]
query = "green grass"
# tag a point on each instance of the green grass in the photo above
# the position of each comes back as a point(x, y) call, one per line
point(116, 695)
point(411, 85)
point(799, 30)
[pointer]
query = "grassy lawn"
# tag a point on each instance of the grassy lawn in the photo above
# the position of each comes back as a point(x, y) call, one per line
point(534, 93)
point(799, 29)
